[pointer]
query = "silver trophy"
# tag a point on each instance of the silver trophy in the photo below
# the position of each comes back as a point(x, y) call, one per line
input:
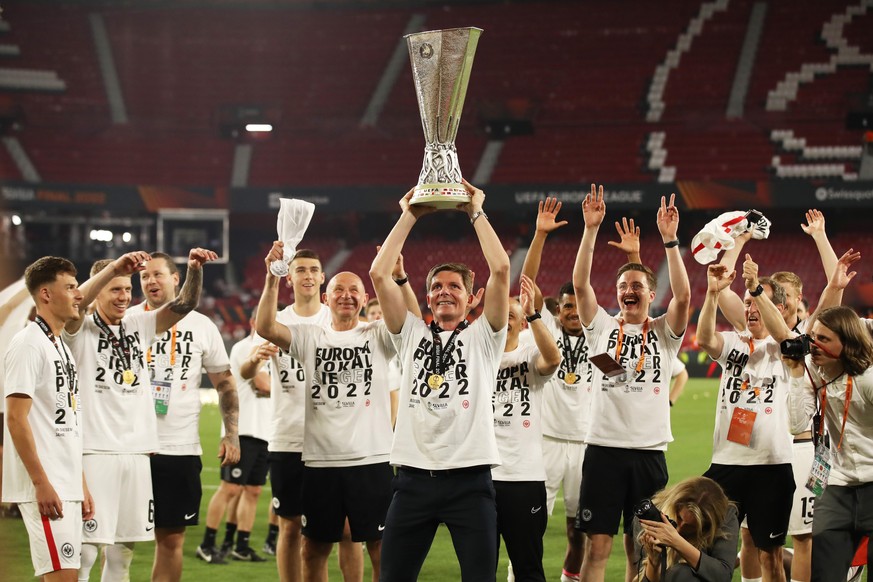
point(441, 65)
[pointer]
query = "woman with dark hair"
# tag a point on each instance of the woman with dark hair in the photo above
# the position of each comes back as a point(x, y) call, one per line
point(835, 383)
point(697, 534)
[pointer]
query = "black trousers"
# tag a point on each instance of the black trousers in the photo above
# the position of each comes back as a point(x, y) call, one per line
point(522, 519)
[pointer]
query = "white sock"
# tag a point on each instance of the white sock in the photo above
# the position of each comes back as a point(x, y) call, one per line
point(117, 566)
point(752, 579)
point(565, 578)
point(89, 556)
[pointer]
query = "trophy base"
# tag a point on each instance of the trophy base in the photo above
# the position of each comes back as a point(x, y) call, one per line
point(440, 196)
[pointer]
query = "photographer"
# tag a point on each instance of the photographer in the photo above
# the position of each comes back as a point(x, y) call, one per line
point(699, 543)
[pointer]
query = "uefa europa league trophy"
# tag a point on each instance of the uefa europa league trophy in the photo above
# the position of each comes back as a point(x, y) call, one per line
point(441, 65)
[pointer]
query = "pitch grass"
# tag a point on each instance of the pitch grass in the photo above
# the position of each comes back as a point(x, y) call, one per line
point(688, 455)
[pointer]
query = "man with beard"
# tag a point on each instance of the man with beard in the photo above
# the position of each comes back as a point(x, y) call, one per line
point(630, 414)
point(176, 360)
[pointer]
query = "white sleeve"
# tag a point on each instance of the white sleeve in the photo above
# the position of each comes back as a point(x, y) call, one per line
point(801, 404)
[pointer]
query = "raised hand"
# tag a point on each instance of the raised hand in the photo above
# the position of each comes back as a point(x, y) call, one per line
point(668, 219)
point(593, 207)
point(718, 279)
point(546, 215)
point(416, 210)
point(276, 253)
point(629, 235)
point(750, 273)
point(477, 199)
point(841, 276)
point(130, 263)
point(198, 257)
point(663, 532)
point(526, 295)
point(815, 223)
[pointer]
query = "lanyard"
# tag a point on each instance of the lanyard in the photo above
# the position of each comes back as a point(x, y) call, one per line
point(69, 372)
point(172, 346)
point(573, 356)
point(642, 346)
point(119, 346)
point(440, 361)
point(745, 385)
point(824, 403)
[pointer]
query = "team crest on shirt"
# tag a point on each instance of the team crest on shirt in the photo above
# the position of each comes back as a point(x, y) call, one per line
point(303, 520)
point(67, 550)
point(90, 525)
point(275, 503)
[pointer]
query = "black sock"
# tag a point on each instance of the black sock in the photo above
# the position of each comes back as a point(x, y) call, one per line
point(209, 538)
point(230, 530)
point(242, 540)
point(272, 534)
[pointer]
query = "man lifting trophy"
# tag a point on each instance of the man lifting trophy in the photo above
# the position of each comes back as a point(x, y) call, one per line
point(441, 65)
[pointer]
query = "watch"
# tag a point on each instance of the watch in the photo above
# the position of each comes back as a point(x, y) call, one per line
point(402, 281)
point(671, 244)
point(758, 290)
point(531, 318)
point(476, 215)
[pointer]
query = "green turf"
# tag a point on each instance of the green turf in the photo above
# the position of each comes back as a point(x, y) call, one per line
point(688, 455)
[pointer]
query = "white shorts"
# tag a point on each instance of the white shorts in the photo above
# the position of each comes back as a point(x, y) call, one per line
point(121, 486)
point(563, 461)
point(55, 544)
point(801, 511)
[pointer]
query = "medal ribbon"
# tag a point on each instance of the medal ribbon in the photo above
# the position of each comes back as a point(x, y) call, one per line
point(573, 356)
point(642, 346)
point(824, 404)
point(69, 372)
point(439, 359)
point(119, 346)
point(172, 346)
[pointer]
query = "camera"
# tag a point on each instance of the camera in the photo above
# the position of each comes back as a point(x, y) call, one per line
point(645, 509)
point(796, 347)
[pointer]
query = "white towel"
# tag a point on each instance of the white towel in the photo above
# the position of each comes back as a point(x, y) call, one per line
point(291, 225)
point(719, 234)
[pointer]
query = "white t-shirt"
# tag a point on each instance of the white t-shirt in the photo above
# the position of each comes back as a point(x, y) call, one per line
point(198, 346)
point(678, 367)
point(567, 405)
point(452, 426)
point(117, 417)
point(632, 414)
point(766, 394)
point(35, 368)
point(288, 386)
point(348, 410)
point(517, 402)
point(255, 412)
point(852, 463)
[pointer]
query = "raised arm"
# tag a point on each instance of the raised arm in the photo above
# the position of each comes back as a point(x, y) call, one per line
point(189, 295)
point(17, 299)
point(497, 288)
point(126, 264)
point(550, 356)
point(710, 340)
point(265, 321)
point(629, 240)
point(815, 227)
point(260, 353)
point(547, 212)
point(401, 278)
point(593, 212)
point(729, 302)
point(668, 226)
point(833, 291)
point(770, 314)
point(391, 297)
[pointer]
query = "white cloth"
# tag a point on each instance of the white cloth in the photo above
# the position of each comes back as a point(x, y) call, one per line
point(452, 426)
point(517, 402)
point(719, 234)
point(255, 412)
point(348, 410)
point(567, 405)
point(37, 370)
point(291, 225)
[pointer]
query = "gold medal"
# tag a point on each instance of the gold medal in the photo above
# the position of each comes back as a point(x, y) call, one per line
point(435, 381)
point(570, 378)
point(128, 376)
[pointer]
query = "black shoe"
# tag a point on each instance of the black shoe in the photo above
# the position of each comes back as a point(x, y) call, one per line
point(269, 548)
point(210, 555)
point(247, 555)
point(225, 549)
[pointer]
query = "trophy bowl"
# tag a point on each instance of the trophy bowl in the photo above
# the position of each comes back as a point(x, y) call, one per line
point(441, 64)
